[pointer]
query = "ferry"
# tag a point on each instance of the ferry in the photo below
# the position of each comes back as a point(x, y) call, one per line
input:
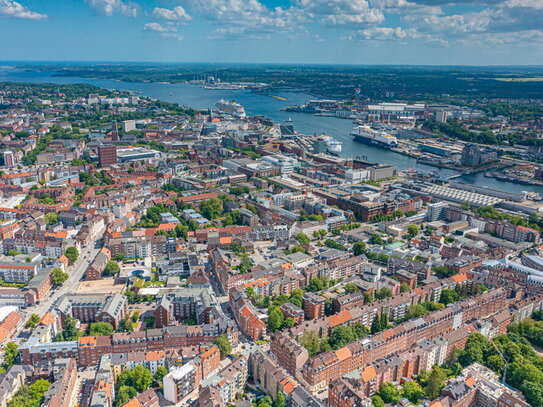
point(231, 108)
point(367, 135)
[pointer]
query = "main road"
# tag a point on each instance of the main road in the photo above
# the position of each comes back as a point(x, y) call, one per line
point(75, 273)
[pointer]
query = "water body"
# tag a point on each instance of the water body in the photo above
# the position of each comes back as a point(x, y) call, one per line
point(255, 104)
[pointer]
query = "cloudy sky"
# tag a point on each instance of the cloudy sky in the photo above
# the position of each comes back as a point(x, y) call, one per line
point(437, 32)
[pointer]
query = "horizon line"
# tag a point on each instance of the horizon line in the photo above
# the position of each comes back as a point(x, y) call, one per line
point(25, 62)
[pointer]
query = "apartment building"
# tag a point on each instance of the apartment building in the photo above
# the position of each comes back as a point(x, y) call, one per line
point(93, 308)
point(313, 306)
point(98, 265)
point(61, 392)
point(246, 316)
point(180, 382)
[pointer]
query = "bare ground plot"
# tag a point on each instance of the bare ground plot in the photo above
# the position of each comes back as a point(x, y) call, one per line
point(103, 286)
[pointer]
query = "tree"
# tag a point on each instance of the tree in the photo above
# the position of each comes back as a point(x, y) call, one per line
point(70, 331)
point(161, 371)
point(416, 311)
point(126, 324)
point(135, 316)
point(360, 331)
point(341, 336)
point(59, 277)
point(331, 243)
point(224, 345)
point(100, 329)
point(120, 257)
point(359, 248)
point(312, 342)
point(275, 320)
point(377, 401)
point(316, 284)
point(33, 321)
point(376, 239)
point(413, 392)
point(11, 352)
point(443, 271)
point(265, 402)
point(404, 287)
point(533, 392)
point(288, 323)
point(280, 400)
point(51, 218)
point(296, 300)
point(383, 293)
point(368, 298)
point(211, 208)
point(39, 387)
point(472, 353)
point(303, 239)
point(111, 268)
point(72, 254)
point(496, 363)
point(375, 325)
point(139, 378)
point(435, 382)
point(448, 296)
point(13, 252)
point(389, 393)
point(412, 230)
point(125, 393)
point(350, 288)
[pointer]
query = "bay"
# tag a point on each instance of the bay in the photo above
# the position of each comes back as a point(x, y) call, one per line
point(256, 104)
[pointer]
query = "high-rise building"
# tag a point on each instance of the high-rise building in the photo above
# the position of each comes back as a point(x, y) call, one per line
point(107, 155)
point(9, 158)
point(442, 116)
point(473, 155)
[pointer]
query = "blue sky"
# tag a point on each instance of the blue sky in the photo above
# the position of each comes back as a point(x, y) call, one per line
point(437, 32)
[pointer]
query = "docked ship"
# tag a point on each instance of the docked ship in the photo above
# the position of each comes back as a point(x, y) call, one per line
point(326, 143)
point(323, 107)
point(231, 108)
point(367, 135)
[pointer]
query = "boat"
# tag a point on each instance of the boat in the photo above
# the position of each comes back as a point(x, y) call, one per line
point(328, 143)
point(367, 135)
point(232, 108)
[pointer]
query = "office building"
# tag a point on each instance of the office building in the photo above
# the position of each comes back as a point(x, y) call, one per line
point(107, 155)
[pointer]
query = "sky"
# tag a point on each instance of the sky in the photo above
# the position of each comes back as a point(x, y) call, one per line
point(426, 32)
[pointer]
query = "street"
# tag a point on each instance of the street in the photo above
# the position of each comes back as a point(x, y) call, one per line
point(75, 273)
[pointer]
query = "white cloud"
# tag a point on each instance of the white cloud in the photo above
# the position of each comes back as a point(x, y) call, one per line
point(405, 6)
point(246, 18)
point(176, 14)
point(10, 8)
point(157, 27)
point(385, 34)
point(110, 7)
point(165, 30)
point(342, 12)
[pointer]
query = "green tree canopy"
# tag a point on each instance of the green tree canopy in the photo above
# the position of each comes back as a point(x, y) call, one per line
point(389, 393)
point(224, 345)
point(359, 248)
point(59, 277)
point(72, 254)
point(100, 329)
point(111, 269)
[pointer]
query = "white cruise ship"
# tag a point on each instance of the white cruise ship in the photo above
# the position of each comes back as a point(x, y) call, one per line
point(328, 143)
point(367, 135)
point(231, 108)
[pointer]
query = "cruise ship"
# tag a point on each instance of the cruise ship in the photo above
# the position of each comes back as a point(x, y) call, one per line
point(231, 108)
point(329, 144)
point(367, 135)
